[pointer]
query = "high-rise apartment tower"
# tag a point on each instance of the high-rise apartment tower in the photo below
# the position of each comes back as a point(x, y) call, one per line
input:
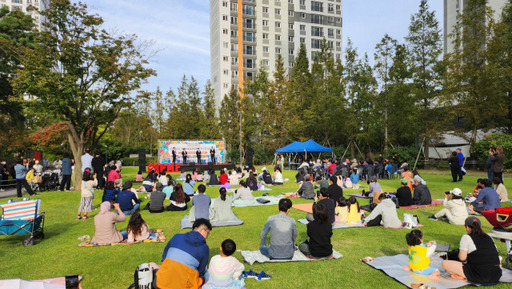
point(245, 34)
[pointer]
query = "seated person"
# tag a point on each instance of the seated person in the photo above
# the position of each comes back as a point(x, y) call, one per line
point(110, 192)
point(252, 183)
point(169, 189)
point(341, 211)
point(223, 177)
point(214, 181)
point(105, 231)
point(278, 177)
point(306, 189)
point(374, 187)
point(137, 229)
point(221, 209)
point(500, 189)
point(383, 214)
point(233, 178)
point(419, 255)
point(283, 232)
point(335, 192)
point(147, 185)
point(243, 193)
point(323, 198)
point(319, 232)
point(321, 183)
point(126, 198)
point(225, 269)
point(178, 199)
point(156, 203)
point(139, 177)
point(162, 178)
point(185, 258)
point(454, 208)
point(354, 212)
point(488, 199)
point(403, 194)
point(206, 176)
point(421, 193)
point(267, 177)
point(188, 185)
point(201, 203)
point(199, 176)
point(303, 165)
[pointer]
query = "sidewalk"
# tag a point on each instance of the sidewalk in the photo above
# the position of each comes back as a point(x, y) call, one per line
point(8, 193)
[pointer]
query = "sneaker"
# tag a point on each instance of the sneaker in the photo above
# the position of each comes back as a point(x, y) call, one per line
point(432, 218)
point(263, 276)
point(250, 274)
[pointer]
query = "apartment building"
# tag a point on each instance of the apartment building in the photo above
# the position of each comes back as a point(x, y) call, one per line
point(247, 34)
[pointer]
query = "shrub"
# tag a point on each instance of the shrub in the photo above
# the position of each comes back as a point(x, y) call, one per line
point(481, 149)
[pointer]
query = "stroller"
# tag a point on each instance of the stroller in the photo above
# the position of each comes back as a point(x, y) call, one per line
point(53, 182)
point(23, 217)
point(45, 179)
point(501, 220)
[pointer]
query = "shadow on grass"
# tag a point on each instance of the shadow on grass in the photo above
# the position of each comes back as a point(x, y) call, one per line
point(54, 230)
point(391, 252)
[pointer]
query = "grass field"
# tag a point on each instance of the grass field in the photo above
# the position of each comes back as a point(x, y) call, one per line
point(113, 267)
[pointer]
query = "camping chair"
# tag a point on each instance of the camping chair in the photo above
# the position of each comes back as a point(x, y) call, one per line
point(501, 219)
point(23, 217)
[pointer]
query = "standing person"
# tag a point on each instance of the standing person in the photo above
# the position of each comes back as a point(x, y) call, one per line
point(282, 162)
point(396, 162)
point(88, 183)
point(174, 155)
point(21, 169)
point(46, 163)
point(198, 155)
point(479, 252)
point(460, 156)
point(283, 233)
point(488, 163)
point(86, 160)
point(212, 154)
point(185, 258)
point(97, 165)
point(184, 155)
point(38, 168)
point(66, 172)
point(4, 174)
point(454, 166)
point(497, 159)
point(57, 164)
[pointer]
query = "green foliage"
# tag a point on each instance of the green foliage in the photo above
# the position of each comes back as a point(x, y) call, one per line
point(493, 140)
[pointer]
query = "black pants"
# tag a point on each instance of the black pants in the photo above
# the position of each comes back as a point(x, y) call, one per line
point(198, 159)
point(66, 180)
point(498, 175)
point(460, 174)
point(24, 183)
point(455, 173)
point(375, 222)
point(184, 160)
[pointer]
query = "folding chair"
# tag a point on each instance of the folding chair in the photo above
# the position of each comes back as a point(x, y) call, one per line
point(23, 217)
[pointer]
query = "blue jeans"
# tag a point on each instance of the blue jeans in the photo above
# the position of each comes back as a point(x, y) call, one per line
point(124, 234)
point(129, 212)
point(264, 250)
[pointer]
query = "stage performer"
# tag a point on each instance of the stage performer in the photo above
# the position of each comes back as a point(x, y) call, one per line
point(212, 154)
point(198, 154)
point(174, 155)
point(184, 155)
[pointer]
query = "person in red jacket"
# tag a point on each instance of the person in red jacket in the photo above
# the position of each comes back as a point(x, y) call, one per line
point(223, 178)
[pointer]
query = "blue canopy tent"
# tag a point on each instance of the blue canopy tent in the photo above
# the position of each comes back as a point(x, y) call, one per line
point(309, 146)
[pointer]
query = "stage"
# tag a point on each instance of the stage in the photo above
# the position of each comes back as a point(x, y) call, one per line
point(202, 167)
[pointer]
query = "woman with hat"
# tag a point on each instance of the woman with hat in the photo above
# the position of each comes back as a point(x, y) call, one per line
point(454, 208)
point(478, 251)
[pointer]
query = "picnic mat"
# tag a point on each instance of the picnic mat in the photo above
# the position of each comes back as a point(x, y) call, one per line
point(185, 223)
point(273, 200)
point(434, 203)
point(336, 225)
point(255, 256)
point(360, 195)
point(308, 207)
point(260, 190)
point(158, 237)
point(392, 266)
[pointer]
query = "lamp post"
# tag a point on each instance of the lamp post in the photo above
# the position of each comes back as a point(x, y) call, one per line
point(106, 153)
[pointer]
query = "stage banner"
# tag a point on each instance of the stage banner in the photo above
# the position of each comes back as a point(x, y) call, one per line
point(165, 148)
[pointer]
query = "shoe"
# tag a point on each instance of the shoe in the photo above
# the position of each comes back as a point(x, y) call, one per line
point(250, 274)
point(263, 276)
point(78, 218)
point(443, 218)
point(432, 218)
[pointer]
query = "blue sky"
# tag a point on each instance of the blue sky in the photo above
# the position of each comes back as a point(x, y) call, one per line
point(181, 33)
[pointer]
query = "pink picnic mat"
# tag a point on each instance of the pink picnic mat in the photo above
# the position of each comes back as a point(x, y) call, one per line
point(434, 203)
point(308, 208)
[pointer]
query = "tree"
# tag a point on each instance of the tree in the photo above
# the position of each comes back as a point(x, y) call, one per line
point(210, 122)
point(425, 50)
point(81, 72)
point(230, 119)
point(471, 82)
point(274, 114)
point(16, 37)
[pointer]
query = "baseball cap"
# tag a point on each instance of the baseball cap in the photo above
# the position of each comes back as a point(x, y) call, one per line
point(471, 220)
point(456, 192)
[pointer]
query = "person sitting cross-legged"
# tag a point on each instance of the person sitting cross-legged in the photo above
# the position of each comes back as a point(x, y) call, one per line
point(283, 233)
point(125, 198)
point(319, 233)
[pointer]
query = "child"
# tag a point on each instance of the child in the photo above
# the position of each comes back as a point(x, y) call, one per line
point(137, 229)
point(419, 255)
point(354, 179)
point(201, 203)
point(224, 269)
point(354, 212)
point(88, 183)
point(342, 210)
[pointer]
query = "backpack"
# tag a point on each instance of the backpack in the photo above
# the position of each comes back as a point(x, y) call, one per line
point(144, 277)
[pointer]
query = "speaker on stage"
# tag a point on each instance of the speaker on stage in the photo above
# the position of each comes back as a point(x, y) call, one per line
point(142, 160)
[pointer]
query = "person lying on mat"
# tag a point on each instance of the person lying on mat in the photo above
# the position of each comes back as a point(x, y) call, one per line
point(283, 233)
point(478, 251)
point(403, 194)
point(221, 209)
point(384, 214)
point(323, 198)
point(185, 258)
point(454, 208)
point(419, 255)
point(178, 199)
point(243, 193)
point(421, 193)
point(306, 189)
point(137, 229)
point(225, 269)
point(319, 233)
point(105, 231)
point(488, 199)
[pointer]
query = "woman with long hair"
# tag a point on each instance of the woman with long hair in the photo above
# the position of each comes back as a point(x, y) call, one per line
point(188, 185)
point(137, 229)
point(221, 210)
point(178, 199)
point(478, 251)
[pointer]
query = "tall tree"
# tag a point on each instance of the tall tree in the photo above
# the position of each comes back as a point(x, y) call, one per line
point(230, 119)
point(81, 72)
point(209, 123)
point(274, 115)
point(425, 50)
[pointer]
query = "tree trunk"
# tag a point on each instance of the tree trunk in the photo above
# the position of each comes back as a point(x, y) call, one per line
point(77, 147)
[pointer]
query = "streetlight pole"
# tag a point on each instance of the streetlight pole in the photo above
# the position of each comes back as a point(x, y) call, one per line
point(106, 154)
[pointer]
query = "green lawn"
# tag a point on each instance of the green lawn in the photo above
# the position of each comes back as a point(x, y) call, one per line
point(113, 267)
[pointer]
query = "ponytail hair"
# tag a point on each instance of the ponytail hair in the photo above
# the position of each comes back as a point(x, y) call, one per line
point(222, 192)
point(476, 230)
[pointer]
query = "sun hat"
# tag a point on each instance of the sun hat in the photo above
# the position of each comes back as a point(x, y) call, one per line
point(456, 192)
